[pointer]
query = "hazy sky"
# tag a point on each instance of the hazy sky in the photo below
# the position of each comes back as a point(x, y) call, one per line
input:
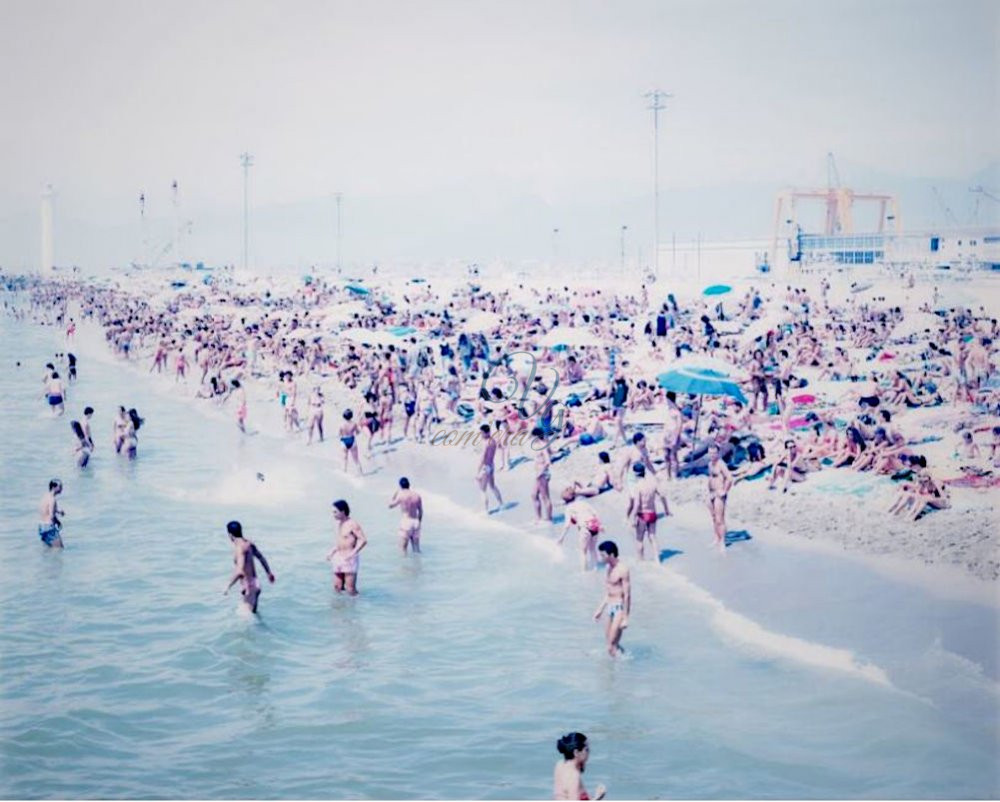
point(105, 99)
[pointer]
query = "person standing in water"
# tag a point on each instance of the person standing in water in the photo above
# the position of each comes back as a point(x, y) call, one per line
point(344, 555)
point(55, 393)
point(88, 413)
point(641, 512)
point(568, 776)
point(83, 445)
point(244, 554)
point(617, 598)
point(50, 517)
point(412, 508)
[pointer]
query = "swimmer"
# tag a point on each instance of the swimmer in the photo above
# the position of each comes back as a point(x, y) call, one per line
point(568, 779)
point(88, 413)
point(617, 598)
point(412, 508)
point(244, 554)
point(50, 517)
point(83, 447)
point(343, 557)
point(55, 393)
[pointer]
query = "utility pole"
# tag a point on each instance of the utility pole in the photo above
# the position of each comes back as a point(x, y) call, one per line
point(339, 196)
point(246, 159)
point(48, 252)
point(142, 224)
point(177, 223)
point(624, 229)
point(555, 246)
point(656, 105)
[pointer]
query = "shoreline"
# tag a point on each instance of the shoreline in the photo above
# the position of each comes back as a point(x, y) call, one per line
point(883, 551)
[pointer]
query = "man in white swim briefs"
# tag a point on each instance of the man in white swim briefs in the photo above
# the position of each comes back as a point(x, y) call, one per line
point(412, 509)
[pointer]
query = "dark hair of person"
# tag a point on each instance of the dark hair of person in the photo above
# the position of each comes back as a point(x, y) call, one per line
point(88, 410)
point(609, 547)
point(604, 457)
point(234, 528)
point(404, 483)
point(343, 506)
point(485, 428)
point(570, 744)
point(54, 484)
point(348, 414)
point(136, 420)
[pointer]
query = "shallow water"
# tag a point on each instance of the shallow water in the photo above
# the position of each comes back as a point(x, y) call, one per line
point(126, 673)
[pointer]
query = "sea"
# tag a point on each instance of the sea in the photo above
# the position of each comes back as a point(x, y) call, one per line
point(126, 673)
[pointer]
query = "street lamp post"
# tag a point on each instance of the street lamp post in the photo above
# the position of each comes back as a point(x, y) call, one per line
point(246, 159)
point(555, 246)
point(624, 229)
point(656, 106)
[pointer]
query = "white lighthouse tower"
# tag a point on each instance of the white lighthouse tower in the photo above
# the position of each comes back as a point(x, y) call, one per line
point(48, 257)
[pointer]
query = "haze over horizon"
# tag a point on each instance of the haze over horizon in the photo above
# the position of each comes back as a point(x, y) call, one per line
point(471, 131)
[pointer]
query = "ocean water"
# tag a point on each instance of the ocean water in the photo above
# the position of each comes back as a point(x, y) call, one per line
point(124, 672)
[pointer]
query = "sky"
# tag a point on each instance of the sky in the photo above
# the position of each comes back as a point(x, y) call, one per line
point(472, 129)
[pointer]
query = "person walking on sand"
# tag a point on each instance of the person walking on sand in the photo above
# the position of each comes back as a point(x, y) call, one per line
point(485, 473)
point(316, 413)
point(568, 776)
point(244, 554)
point(50, 517)
point(240, 392)
point(349, 439)
point(412, 509)
point(343, 557)
point(641, 512)
point(617, 598)
point(543, 472)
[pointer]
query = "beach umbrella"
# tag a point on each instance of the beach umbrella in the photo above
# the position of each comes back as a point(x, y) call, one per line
point(480, 320)
point(916, 323)
point(401, 331)
point(369, 337)
point(707, 362)
point(358, 290)
point(700, 381)
point(717, 289)
point(564, 336)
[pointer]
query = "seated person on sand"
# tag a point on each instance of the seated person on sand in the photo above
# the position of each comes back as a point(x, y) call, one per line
point(874, 452)
point(968, 450)
point(642, 396)
point(788, 467)
point(923, 494)
point(852, 448)
point(601, 481)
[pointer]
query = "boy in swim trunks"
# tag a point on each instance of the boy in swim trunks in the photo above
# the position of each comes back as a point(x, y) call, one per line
point(344, 554)
point(244, 554)
point(348, 437)
point(412, 507)
point(617, 598)
point(49, 517)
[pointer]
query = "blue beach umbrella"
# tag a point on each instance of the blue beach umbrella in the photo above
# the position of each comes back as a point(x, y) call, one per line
point(700, 381)
point(401, 331)
point(717, 289)
point(358, 290)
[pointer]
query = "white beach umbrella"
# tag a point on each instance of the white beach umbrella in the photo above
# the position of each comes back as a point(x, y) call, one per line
point(577, 338)
point(369, 337)
point(916, 323)
point(480, 320)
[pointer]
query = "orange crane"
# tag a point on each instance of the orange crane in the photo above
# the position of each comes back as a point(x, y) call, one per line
point(839, 206)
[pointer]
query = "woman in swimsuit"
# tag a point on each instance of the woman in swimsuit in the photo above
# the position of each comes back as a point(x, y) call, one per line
point(581, 515)
point(84, 447)
point(316, 413)
point(568, 777)
point(543, 470)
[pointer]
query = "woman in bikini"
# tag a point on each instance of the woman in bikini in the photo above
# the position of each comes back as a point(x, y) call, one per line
point(581, 515)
